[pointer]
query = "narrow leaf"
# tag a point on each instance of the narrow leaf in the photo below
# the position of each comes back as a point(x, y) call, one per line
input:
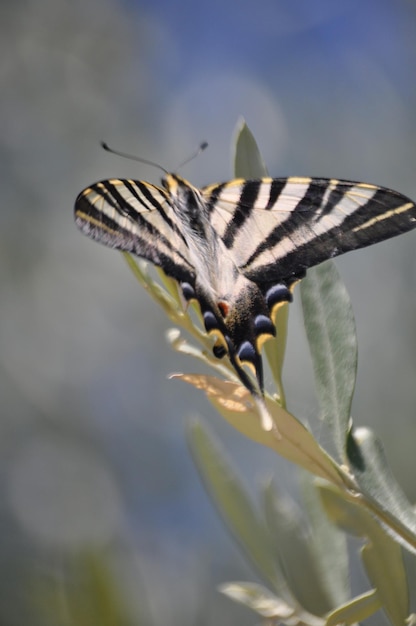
point(293, 545)
point(384, 565)
point(343, 512)
point(330, 329)
point(328, 544)
point(248, 162)
point(275, 349)
point(382, 556)
point(356, 610)
point(88, 591)
point(163, 298)
point(295, 442)
point(258, 598)
point(235, 507)
point(266, 604)
point(386, 498)
point(182, 345)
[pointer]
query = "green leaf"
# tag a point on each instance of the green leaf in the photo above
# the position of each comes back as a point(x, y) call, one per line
point(328, 544)
point(356, 610)
point(385, 496)
point(268, 605)
point(382, 556)
point(259, 599)
point(235, 507)
point(343, 512)
point(248, 162)
point(88, 592)
point(293, 545)
point(275, 349)
point(182, 345)
point(163, 298)
point(330, 329)
point(384, 565)
point(291, 439)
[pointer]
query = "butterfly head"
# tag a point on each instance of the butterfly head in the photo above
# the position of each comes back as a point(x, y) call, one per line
point(185, 197)
point(175, 184)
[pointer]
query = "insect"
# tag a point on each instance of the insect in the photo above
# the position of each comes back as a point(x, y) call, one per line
point(239, 247)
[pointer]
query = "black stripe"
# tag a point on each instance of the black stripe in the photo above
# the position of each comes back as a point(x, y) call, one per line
point(342, 238)
point(83, 206)
point(335, 196)
point(300, 215)
point(212, 201)
point(275, 191)
point(112, 196)
point(123, 239)
point(125, 208)
point(121, 205)
point(143, 187)
point(383, 201)
point(248, 197)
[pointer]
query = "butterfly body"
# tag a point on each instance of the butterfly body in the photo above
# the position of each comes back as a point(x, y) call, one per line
point(239, 247)
point(215, 270)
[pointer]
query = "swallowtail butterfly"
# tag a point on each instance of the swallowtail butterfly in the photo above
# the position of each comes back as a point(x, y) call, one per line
point(239, 247)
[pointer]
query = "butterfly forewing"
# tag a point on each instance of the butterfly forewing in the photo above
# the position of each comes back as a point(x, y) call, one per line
point(136, 217)
point(296, 223)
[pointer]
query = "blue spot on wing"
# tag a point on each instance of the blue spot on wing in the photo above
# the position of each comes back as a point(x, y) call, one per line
point(278, 293)
point(264, 326)
point(247, 352)
point(188, 291)
point(210, 321)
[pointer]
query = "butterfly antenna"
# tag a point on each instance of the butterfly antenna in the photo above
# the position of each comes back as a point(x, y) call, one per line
point(132, 157)
point(203, 146)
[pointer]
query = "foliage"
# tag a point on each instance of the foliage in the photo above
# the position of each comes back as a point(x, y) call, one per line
point(85, 593)
point(353, 494)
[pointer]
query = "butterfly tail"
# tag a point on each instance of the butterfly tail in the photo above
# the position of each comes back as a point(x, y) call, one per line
point(256, 392)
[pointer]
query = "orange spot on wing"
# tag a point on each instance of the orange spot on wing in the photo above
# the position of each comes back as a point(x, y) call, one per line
point(223, 307)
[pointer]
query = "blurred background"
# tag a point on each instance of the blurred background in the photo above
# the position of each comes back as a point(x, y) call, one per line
point(100, 500)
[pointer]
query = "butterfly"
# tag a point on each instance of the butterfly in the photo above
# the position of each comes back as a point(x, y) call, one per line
point(238, 248)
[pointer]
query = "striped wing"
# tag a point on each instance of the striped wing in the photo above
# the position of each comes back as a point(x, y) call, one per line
point(136, 217)
point(273, 230)
point(277, 228)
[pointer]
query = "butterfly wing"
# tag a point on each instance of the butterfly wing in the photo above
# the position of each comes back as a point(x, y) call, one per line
point(272, 230)
point(136, 217)
point(275, 229)
point(278, 228)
